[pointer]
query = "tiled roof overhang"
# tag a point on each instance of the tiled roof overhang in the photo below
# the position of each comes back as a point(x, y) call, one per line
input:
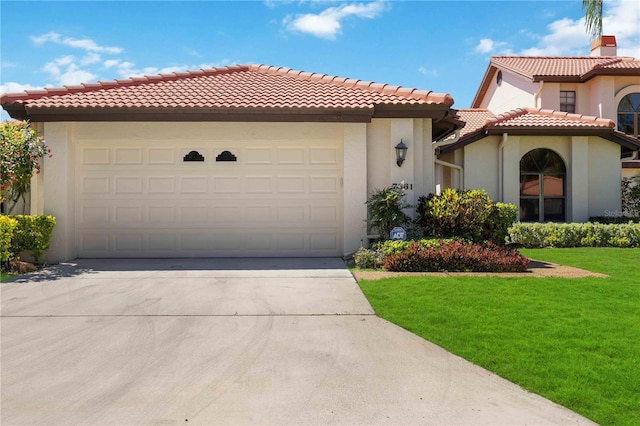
point(555, 123)
point(244, 93)
point(608, 134)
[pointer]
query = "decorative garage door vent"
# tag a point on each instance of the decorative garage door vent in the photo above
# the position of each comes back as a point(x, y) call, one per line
point(226, 156)
point(193, 156)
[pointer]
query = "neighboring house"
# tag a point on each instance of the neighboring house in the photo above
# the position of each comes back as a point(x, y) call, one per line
point(601, 85)
point(541, 134)
point(554, 165)
point(234, 161)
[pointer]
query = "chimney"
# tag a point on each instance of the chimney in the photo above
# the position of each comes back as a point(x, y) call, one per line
point(604, 46)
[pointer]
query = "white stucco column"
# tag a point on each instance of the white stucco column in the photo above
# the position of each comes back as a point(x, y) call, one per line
point(511, 171)
point(578, 180)
point(418, 163)
point(355, 186)
point(428, 166)
point(59, 190)
point(36, 195)
point(37, 192)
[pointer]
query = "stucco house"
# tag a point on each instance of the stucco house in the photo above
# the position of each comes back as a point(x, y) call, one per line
point(256, 160)
point(235, 161)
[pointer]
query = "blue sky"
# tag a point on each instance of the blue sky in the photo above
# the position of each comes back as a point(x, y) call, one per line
point(442, 46)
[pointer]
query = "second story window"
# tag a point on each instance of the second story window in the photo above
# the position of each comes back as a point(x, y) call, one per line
point(568, 101)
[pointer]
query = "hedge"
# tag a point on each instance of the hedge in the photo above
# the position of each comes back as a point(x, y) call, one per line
point(440, 255)
point(614, 219)
point(32, 234)
point(537, 235)
point(456, 256)
point(7, 226)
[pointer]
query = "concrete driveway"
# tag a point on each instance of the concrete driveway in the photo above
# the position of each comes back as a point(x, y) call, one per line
point(230, 341)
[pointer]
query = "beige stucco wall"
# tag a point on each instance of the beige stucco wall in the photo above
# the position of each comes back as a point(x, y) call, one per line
point(597, 97)
point(417, 171)
point(513, 92)
point(58, 192)
point(481, 166)
point(604, 186)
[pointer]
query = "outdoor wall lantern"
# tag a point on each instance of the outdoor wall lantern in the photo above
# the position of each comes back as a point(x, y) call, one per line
point(401, 153)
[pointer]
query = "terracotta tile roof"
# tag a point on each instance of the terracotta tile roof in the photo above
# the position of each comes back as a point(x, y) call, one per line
point(474, 119)
point(235, 87)
point(577, 68)
point(534, 117)
point(535, 121)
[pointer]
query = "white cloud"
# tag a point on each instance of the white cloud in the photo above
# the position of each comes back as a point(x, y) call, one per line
point(74, 75)
point(90, 58)
point(13, 87)
point(126, 69)
point(494, 47)
point(85, 43)
point(568, 37)
point(64, 71)
point(111, 63)
point(327, 24)
point(621, 18)
point(565, 37)
point(428, 71)
point(487, 45)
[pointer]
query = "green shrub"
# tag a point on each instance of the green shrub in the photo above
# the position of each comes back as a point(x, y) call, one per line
point(467, 214)
point(456, 256)
point(367, 258)
point(32, 234)
point(537, 235)
point(496, 227)
point(7, 226)
point(385, 209)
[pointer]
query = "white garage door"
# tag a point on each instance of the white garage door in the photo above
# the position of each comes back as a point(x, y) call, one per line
point(145, 200)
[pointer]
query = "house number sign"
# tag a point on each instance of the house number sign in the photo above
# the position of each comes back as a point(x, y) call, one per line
point(402, 185)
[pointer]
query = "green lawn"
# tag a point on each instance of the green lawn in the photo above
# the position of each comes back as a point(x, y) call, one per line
point(574, 341)
point(4, 276)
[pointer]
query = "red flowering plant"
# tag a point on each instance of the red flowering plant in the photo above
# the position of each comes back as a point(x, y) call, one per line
point(21, 152)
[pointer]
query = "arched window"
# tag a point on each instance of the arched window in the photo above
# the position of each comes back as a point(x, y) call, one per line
point(542, 187)
point(628, 112)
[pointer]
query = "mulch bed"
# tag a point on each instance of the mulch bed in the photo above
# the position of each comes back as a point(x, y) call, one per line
point(536, 269)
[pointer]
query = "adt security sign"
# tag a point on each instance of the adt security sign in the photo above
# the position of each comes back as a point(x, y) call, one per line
point(398, 233)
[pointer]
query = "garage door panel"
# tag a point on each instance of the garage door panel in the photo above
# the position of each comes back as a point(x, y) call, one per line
point(143, 200)
point(291, 156)
point(128, 156)
point(324, 156)
point(95, 156)
point(161, 156)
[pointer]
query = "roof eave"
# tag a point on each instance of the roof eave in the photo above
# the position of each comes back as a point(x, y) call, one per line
point(408, 110)
point(609, 134)
point(355, 115)
point(465, 140)
point(484, 86)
